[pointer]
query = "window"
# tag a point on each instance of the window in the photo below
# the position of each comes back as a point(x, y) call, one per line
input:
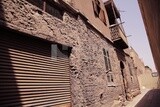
point(96, 7)
point(98, 11)
point(130, 69)
point(110, 77)
point(54, 51)
point(38, 3)
point(107, 60)
point(58, 50)
point(109, 72)
point(48, 6)
point(131, 72)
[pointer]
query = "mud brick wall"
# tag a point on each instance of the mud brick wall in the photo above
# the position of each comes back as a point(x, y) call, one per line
point(89, 87)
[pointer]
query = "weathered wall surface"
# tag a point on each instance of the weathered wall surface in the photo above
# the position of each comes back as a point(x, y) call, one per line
point(88, 78)
point(131, 82)
point(86, 8)
point(147, 80)
point(138, 63)
point(132, 79)
point(151, 18)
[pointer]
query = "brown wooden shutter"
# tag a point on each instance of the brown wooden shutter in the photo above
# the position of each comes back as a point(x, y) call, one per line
point(96, 8)
point(102, 16)
point(29, 77)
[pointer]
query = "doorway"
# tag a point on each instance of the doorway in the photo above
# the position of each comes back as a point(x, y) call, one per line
point(123, 78)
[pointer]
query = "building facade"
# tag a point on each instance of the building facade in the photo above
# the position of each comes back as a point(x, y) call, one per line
point(63, 53)
point(151, 17)
point(139, 67)
point(148, 79)
point(138, 62)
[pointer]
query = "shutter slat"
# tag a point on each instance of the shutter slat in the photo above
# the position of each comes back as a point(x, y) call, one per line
point(12, 53)
point(31, 70)
point(35, 92)
point(37, 96)
point(55, 87)
point(50, 103)
point(24, 74)
point(37, 101)
point(6, 59)
point(29, 65)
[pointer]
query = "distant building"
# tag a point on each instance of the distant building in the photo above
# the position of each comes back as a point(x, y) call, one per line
point(148, 79)
point(64, 53)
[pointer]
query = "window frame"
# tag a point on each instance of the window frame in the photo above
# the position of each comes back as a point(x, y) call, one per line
point(107, 60)
point(98, 11)
point(48, 6)
point(109, 73)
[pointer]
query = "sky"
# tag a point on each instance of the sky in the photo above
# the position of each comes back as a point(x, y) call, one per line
point(134, 28)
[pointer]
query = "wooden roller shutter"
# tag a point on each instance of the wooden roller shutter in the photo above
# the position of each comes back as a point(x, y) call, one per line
point(29, 77)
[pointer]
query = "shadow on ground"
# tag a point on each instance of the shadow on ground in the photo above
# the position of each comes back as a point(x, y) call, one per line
point(151, 99)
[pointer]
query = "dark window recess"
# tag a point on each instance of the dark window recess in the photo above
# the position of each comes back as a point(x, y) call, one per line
point(109, 72)
point(107, 60)
point(53, 11)
point(96, 7)
point(110, 78)
point(98, 11)
point(38, 3)
point(48, 6)
point(130, 70)
point(106, 63)
point(112, 13)
point(104, 52)
point(58, 50)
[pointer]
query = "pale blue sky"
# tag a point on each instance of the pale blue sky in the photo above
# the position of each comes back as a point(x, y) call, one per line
point(134, 26)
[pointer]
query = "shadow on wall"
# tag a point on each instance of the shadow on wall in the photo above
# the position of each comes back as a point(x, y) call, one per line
point(8, 86)
point(151, 99)
point(120, 55)
point(15, 71)
point(2, 17)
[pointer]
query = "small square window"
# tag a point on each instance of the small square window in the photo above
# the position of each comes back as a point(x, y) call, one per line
point(110, 80)
point(110, 77)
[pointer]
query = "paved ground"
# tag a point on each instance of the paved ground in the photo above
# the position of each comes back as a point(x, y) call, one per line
point(148, 98)
point(137, 98)
point(151, 99)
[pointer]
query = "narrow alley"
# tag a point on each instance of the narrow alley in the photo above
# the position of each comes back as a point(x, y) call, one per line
point(148, 98)
point(78, 53)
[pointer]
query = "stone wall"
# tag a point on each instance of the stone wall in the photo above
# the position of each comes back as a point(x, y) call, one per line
point(89, 86)
point(147, 80)
point(138, 63)
point(132, 79)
